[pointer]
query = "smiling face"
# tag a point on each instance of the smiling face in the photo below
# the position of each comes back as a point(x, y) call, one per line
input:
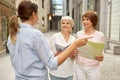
point(66, 26)
point(87, 23)
point(90, 19)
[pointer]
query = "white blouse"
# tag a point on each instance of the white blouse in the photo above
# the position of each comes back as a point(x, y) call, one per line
point(66, 69)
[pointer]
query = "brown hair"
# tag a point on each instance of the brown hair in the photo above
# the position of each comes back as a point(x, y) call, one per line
point(25, 10)
point(92, 16)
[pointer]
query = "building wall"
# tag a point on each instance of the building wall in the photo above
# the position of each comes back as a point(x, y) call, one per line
point(103, 16)
point(113, 25)
point(64, 7)
point(7, 9)
point(80, 6)
point(43, 22)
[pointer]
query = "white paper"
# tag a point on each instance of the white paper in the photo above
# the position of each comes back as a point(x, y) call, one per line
point(60, 47)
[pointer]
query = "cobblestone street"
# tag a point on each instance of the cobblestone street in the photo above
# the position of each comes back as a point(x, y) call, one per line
point(110, 67)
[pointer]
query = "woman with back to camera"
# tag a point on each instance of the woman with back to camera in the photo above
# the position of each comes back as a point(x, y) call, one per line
point(29, 51)
point(85, 68)
point(63, 38)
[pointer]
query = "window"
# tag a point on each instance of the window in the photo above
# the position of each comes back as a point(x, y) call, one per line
point(115, 21)
point(4, 28)
point(43, 21)
point(67, 5)
point(42, 3)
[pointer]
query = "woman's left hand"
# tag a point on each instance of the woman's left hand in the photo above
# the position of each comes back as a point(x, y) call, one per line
point(73, 54)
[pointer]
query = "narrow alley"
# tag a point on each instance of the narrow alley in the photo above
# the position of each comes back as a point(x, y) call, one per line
point(109, 68)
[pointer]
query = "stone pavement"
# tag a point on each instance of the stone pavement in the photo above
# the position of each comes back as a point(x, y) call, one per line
point(110, 67)
point(6, 71)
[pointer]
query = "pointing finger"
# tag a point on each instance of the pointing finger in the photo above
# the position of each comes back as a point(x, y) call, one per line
point(88, 37)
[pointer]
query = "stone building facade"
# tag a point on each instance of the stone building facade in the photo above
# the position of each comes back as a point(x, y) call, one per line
point(43, 11)
point(7, 9)
point(113, 26)
point(108, 15)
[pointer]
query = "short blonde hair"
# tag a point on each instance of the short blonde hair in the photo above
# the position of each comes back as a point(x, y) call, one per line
point(69, 19)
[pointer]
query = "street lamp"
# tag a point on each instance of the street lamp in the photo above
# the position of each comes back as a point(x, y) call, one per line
point(50, 16)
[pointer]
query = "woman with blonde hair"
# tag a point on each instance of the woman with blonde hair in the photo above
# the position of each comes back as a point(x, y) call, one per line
point(63, 38)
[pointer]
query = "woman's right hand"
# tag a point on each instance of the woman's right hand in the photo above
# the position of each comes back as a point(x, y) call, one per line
point(82, 41)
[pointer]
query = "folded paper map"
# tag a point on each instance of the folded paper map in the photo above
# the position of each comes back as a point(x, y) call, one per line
point(92, 49)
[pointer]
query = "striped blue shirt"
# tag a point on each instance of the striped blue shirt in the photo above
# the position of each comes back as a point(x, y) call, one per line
point(31, 55)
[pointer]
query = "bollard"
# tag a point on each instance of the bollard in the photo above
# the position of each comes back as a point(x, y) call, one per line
point(117, 50)
point(7, 51)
